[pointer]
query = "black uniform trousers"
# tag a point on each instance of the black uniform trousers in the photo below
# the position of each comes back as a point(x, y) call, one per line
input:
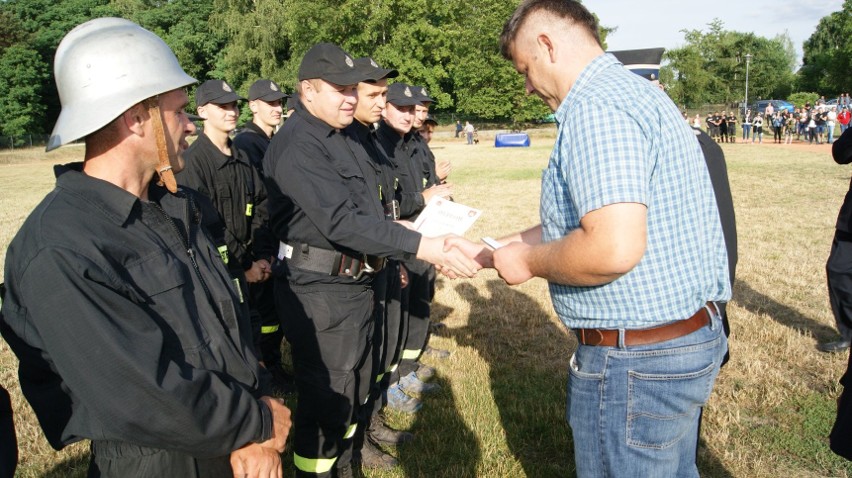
point(8, 441)
point(416, 309)
point(840, 438)
point(124, 460)
point(389, 336)
point(262, 305)
point(329, 328)
point(839, 274)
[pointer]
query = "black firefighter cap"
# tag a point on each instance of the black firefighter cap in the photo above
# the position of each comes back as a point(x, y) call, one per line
point(373, 71)
point(266, 90)
point(645, 62)
point(422, 95)
point(217, 92)
point(329, 62)
point(400, 94)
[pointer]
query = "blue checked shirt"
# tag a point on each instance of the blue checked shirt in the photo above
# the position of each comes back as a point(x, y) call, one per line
point(620, 139)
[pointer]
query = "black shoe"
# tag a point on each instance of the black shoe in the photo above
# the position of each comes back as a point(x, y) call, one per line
point(371, 457)
point(344, 471)
point(380, 433)
point(834, 347)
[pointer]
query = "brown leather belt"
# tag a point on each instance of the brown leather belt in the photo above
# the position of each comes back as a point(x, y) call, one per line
point(609, 337)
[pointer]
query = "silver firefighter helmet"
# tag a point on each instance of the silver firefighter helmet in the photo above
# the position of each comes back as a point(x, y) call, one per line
point(102, 68)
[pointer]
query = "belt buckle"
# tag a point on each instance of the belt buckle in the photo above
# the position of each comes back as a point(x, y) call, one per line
point(600, 337)
point(366, 268)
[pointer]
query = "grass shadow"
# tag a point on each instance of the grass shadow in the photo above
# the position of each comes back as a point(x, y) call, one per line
point(445, 446)
point(758, 303)
point(527, 356)
point(73, 467)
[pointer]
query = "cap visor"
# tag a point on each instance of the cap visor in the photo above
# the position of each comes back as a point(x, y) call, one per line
point(351, 77)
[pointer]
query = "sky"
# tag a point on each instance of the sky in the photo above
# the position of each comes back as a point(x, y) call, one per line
point(658, 23)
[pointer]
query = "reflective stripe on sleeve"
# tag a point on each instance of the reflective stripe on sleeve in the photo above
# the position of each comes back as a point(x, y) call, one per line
point(269, 329)
point(410, 354)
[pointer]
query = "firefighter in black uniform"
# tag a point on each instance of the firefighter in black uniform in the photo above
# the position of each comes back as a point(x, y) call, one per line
point(839, 264)
point(127, 326)
point(225, 175)
point(265, 101)
point(334, 237)
point(388, 336)
point(397, 140)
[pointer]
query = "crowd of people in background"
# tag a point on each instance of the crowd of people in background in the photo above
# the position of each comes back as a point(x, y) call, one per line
point(814, 124)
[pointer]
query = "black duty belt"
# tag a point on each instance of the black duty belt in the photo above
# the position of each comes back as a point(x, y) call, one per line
point(327, 261)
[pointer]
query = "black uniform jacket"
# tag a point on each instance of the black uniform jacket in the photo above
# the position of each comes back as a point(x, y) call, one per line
point(125, 322)
point(841, 150)
point(319, 197)
point(372, 161)
point(407, 165)
point(238, 193)
point(254, 142)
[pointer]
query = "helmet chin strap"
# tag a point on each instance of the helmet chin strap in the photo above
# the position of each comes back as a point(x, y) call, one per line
point(164, 167)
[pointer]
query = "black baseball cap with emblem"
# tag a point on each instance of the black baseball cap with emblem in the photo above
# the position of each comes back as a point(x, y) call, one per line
point(217, 92)
point(400, 94)
point(372, 69)
point(266, 90)
point(329, 62)
point(422, 95)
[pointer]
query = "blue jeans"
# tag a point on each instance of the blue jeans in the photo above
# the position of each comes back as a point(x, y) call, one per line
point(634, 411)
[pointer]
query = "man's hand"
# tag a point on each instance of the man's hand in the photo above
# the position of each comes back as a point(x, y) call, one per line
point(440, 190)
point(256, 461)
point(258, 272)
point(443, 169)
point(511, 262)
point(483, 255)
point(452, 263)
point(280, 423)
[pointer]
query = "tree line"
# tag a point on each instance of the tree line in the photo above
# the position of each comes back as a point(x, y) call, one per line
point(451, 48)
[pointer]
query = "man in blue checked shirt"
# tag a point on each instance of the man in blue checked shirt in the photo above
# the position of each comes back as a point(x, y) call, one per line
point(631, 244)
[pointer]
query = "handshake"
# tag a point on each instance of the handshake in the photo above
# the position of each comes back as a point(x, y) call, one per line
point(456, 257)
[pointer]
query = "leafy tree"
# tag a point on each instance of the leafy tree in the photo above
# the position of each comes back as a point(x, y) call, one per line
point(711, 67)
point(800, 98)
point(828, 55)
point(21, 76)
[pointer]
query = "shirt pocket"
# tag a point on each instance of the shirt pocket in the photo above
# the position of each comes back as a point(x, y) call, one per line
point(159, 281)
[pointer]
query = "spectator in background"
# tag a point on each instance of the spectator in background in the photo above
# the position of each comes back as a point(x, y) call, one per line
point(790, 125)
point(757, 125)
point(459, 128)
point(777, 127)
point(830, 121)
point(732, 127)
point(747, 125)
point(723, 127)
point(769, 111)
point(468, 131)
point(843, 118)
point(696, 122)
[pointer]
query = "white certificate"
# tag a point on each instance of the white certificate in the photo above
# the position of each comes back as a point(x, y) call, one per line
point(442, 216)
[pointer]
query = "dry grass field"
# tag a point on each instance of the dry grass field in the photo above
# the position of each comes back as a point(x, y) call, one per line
point(500, 412)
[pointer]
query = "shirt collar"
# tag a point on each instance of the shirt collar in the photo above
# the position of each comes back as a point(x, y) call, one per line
point(115, 202)
point(595, 67)
point(313, 121)
point(256, 129)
